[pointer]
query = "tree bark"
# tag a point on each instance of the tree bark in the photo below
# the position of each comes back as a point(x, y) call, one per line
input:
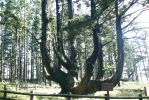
point(58, 21)
point(90, 86)
point(100, 71)
point(72, 38)
point(65, 80)
point(120, 48)
point(83, 85)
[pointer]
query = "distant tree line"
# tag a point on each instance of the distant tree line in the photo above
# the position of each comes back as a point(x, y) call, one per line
point(60, 41)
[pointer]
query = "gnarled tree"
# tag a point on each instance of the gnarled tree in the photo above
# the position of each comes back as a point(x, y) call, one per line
point(66, 78)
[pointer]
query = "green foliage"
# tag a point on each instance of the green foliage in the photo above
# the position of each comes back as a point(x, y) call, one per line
point(78, 25)
point(131, 54)
point(138, 58)
point(109, 68)
point(9, 17)
point(104, 4)
point(36, 24)
point(24, 19)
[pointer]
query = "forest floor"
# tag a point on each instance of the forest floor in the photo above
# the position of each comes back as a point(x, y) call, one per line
point(126, 89)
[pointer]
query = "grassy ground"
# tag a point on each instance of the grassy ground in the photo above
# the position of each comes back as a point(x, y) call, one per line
point(127, 89)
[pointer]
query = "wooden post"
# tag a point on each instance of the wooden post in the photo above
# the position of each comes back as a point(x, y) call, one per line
point(35, 86)
point(5, 93)
point(145, 91)
point(107, 87)
point(17, 84)
point(31, 96)
point(107, 96)
point(108, 93)
point(69, 97)
point(140, 97)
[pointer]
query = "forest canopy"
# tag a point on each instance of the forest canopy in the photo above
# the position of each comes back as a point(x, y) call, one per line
point(78, 44)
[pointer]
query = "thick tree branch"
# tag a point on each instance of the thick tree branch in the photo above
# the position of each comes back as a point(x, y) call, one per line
point(120, 48)
point(62, 62)
point(96, 85)
point(65, 80)
point(45, 58)
point(100, 71)
point(58, 22)
point(83, 85)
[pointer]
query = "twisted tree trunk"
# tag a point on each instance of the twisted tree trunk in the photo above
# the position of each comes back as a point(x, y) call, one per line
point(90, 86)
point(65, 80)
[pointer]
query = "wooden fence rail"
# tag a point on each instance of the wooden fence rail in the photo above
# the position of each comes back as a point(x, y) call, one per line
point(67, 96)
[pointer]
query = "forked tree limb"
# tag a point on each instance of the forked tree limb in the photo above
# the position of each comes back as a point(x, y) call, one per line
point(91, 86)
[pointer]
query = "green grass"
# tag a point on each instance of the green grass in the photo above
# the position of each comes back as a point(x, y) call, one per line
point(132, 89)
point(127, 89)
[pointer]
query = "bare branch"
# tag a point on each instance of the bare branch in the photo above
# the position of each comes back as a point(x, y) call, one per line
point(135, 29)
point(134, 12)
point(133, 20)
point(62, 62)
point(135, 37)
point(106, 43)
point(63, 53)
point(130, 5)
